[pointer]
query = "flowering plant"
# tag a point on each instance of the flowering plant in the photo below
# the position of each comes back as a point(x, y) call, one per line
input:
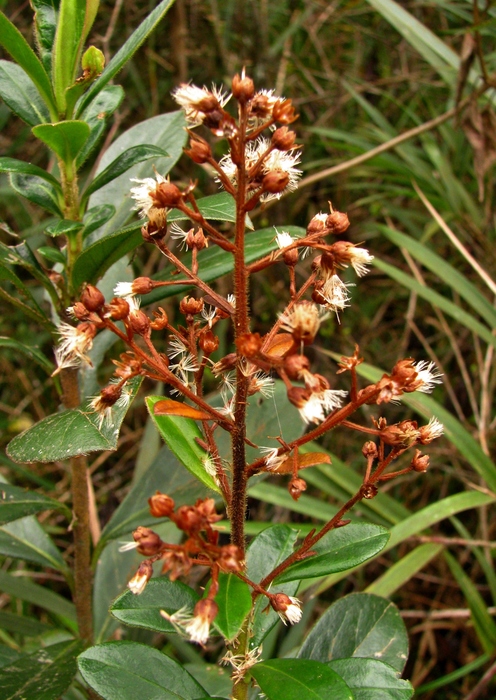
point(247, 589)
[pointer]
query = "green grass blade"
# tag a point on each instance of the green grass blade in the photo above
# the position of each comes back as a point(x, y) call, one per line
point(404, 569)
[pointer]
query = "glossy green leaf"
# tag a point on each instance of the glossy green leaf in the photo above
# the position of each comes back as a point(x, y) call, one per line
point(126, 671)
point(436, 299)
point(266, 551)
point(22, 254)
point(70, 433)
point(446, 272)
point(403, 570)
point(483, 622)
point(214, 262)
point(53, 255)
point(126, 52)
point(234, 601)
point(144, 610)
point(65, 139)
point(95, 260)
point(295, 679)
point(8, 655)
point(44, 675)
point(25, 539)
point(215, 207)
point(359, 625)
point(165, 474)
point(371, 679)
point(180, 435)
point(16, 502)
point(33, 354)
point(45, 25)
point(165, 131)
point(16, 45)
point(96, 217)
point(96, 116)
point(214, 678)
point(38, 191)
point(136, 154)
point(63, 228)
point(339, 550)
point(23, 624)
point(21, 95)
point(12, 165)
point(41, 596)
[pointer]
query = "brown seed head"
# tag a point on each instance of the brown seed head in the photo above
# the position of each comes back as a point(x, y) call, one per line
point(420, 462)
point(369, 450)
point(275, 181)
point(283, 139)
point(143, 285)
point(189, 306)
point(242, 88)
point(80, 311)
point(404, 434)
point(118, 309)
point(298, 396)
point(149, 543)
point(208, 342)
point(189, 519)
point(296, 487)
point(207, 609)
point(231, 558)
point(199, 150)
point(110, 394)
point(92, 298)
point(295, 364)
point(161, 505)
point(161, 320)
point(284, 112)
point(249, 344)
point(337, 222)
point(139, 322)
point(166, 196)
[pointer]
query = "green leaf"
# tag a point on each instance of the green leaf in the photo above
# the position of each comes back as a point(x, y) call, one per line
point(23, 255)
point(33, 354)
point(23, 299)
point(45, 23)
point(12, 165)
point(95, 260)
point(21, 95)
point(16, 45)
point(294, 679)
point(339, 550)
point(70, 433)
point(126, 671)
point(25, 539)
point(372, 679)
point(165, 474)
point(136, 154)
point(180, 435)
point(63, 228)
point(126, 52)
point(24, 589)
point(234, 601)
point(483, 622)
point(214, 262)
point(144, 610)
point(266, 551)
point(53, 255)
point(22, 624)
point(17, 503)
point(97, 115)
point(37, 190)
point(404, 569)
point(438, 300)
point(8, 655)
point(359, 625)
point(44, 675)
point(215, 207)
point(66, 138)
point(96, 217)
point(165, 131)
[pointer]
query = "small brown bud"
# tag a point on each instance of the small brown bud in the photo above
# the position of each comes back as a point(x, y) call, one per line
point(290, 257)
point(189, 519)
point(137, 584)
point(151, 232)
point(166, 196)
point(110, 394)
point(404, 434)
point(206, 609)
point(249, 344)
point(296, 487)
point(139, 322)
point(283, 139)
point(275, 181)
point(80, 311)
point(143, 285)
point(337, 222)
point(420, 462)
point(298, 396)
point(92, 298)
point(242, 88)
point(118, 309)
point(199, 150)
point(369, 491)
point(208, 342)
point(189, 306)
point(231, 558)
point(295, 364)
point(161, 505)
point(283, 112)
point(369, 450)
point(161, 320)
point(316, 225)
point(149, 543)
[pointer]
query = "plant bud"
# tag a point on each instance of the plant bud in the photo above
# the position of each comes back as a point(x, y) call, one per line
point(166, 196)
point(249, 344)
point(290, 257)
point(118, 309)
point(189, 306)
point(298, 396)
point(188, 519)
point(231, 558)
point(275, 181)
point(206, 609)
point(337, 222)
point(283, 139)
point(137, 584)
point(80, 311)
point(161, 505)
point(283, 112)
point(369, 491)
point(295, 364)
point(199, 150)
point(316, 225)
point(139, 322)
point(110, 394)
point(149, 543)
point(369, 450)
point(208, 342)
point(420, 462)
point(92, 62)
point(143, 285)
point(242, 88)
point(161, 320)
point(296, 488)
point(92, 298)
point(404, 434)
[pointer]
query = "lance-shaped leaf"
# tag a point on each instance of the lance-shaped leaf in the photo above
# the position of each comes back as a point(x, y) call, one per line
point(63, 228)
point(294, 679)
point(26, 539)
point(43, 675)
point(181, 436)
point(33, 354)
point(16, 45)
point(126, 52)
point(12, 165)
point(45, 25)
point(24, 300)
point(234, 601)
point(38, 191)
point(66, 139)
point(339, 550)
point(97, 114)
point(168, 407)
point(359, 625)
point(144, 610)
point(136, 154)
point(17, 503)
point(127, 670)
point(21, 95)
point(73, 432)
point(96, 217)
point(371, 678)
